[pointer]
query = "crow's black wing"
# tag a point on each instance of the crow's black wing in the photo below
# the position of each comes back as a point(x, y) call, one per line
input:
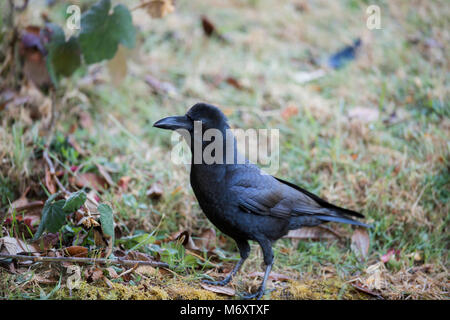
point(263, 194)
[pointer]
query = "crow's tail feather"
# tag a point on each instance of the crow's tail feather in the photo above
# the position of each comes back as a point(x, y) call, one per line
point(341, 220)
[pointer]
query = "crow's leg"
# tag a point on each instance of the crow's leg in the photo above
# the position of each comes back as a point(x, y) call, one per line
point(266, 246)
point(244, 250)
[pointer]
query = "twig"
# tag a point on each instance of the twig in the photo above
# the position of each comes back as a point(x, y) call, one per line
point(86, 260)
point(128, 271)
point(52, 172)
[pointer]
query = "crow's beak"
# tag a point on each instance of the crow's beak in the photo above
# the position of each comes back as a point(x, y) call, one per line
point(174, 123)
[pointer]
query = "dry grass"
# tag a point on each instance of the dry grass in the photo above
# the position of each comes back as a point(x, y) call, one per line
point(394, 169)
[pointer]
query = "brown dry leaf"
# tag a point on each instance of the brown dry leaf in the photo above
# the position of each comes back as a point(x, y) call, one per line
point(146, 270)
point(207, 239)
point(160, 87)
point(22, 201)
point(33, 53)
point(77, 251)
point(93, 274)
point(208, 27)
point(117, 66)
point(289, 112)
point(158, 8)
point(313, 233)
point(88, 222)
point(273, 275)
point(49, 183)
point(9, 245)
point(89, 180)
point(104, 172)
point(218, 289)
point(86, 120)
point(48, 241)
point(360, 242)
point(123, 182)
point(360, 287)
point(185, 239)
point(99, 239)
point(155, 191)
point(234, 83)
point(364, 114)
point(138, 256)
point(112, 272)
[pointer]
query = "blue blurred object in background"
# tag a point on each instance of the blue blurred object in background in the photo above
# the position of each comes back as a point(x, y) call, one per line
point(339, 59)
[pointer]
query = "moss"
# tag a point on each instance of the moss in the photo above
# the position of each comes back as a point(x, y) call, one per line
point(318, 290)
point(183, 291)
point(118, 291)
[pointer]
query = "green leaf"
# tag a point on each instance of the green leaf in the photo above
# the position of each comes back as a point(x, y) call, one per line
point(136, 241)
point(53, 216)
point(106, 219)
point(102, 32)
point(63, 57)
point(75, 201)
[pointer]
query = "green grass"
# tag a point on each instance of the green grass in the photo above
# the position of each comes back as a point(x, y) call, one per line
point(399, 179)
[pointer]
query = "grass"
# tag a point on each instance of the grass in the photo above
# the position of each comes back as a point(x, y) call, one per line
point(395, 172)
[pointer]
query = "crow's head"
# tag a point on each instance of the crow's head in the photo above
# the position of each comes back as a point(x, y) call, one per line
point(209, 116)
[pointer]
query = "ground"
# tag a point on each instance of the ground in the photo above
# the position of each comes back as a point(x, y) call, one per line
point(372, 136)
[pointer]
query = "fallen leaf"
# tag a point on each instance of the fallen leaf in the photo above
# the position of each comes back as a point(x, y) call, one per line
point(89, 180)
point(361, 288)
point(219, 289)
point(235, 83)
point(9, 245)
point(117, 66)
point(289, 112)
point(104, 172)
point(48, 241)
point(22, 201)
point(86, 120)
point(146, 270)
point(307, 76)
point(77, 251)
point(112, 272)
point(392, 253)
point(32, 49)
point(155, 191)
point(208, 27)
point(160, 87)
point(207, 239)
point(360, 242)
point(49, 183)
point(123, 183)
point(158, 8)
point(185, 239)
point(93, 274)
point(273, 275)
point(364, 114)
point(313, 233)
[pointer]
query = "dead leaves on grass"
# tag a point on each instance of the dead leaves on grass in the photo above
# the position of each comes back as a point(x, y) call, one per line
point(219, 289)
point(360, 243)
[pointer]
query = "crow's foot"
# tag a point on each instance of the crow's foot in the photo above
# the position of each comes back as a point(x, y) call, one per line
point(218, 283)
point(257, 295)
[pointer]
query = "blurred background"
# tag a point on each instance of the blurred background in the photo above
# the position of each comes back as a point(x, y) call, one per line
point(360, 98)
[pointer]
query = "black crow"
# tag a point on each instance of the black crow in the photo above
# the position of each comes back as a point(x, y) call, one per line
point(241, 200)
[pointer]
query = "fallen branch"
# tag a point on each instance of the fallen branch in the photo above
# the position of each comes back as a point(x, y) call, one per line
point(86, 260)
